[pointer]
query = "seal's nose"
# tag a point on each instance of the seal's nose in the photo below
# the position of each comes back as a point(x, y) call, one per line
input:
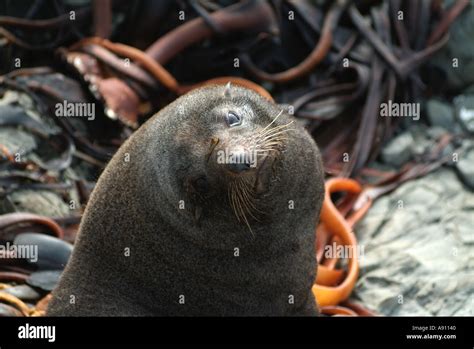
point(238, 167)
point(238, 161)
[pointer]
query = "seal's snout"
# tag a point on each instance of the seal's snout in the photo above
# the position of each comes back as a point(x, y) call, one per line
point(236, 160)
point(238, 168)
point(240, 161)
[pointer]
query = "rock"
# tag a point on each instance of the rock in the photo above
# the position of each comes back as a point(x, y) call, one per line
point(459, 224)
point(418, 195)
point(378, 216)
point(398, 150)
point(438, 253)
point(440, 114)
point(23, 292)
point(465, 167)
point(449, 151)
point(42, 202)
point(18, 142)
point(410, 306)
point(418, 256)
point(421, 147)
point(444, 182)
point(469, 89)
point(53, 253)
point(455, 58)
point(422, 143)
point(7, 310)
point(45, 280)
point(465, 111)
point(435, 132)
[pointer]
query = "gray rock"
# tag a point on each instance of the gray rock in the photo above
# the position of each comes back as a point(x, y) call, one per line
point(398, 150)
point(45, 280)
point(461, 47)
point(14, 115)
point(465, 111)
point(23, 292)
point(53, 253)
point(42, 202)
point(17, 141)
point(445, 183)
point(469, 89)
point(465, 167)
point(459, 224)
point(418, 256)
point(421, 146)
point(440, 114)
point(410, 306)
point(418, 195)
point(435, 132)
point(448, 151)
point(7, 310)
point(378, 213)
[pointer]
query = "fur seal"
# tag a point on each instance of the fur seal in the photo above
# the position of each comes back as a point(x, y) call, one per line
point(208, 209)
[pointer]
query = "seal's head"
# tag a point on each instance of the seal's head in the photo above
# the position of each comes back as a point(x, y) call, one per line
point(229, 156)
point(243, 146)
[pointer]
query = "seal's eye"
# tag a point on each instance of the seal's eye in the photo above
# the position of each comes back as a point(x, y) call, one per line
point(233, 119)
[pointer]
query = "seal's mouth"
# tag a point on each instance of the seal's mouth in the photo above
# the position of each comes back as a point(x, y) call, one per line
point(245, 189)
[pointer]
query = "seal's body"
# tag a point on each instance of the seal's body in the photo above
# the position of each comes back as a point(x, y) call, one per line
point(177, 226)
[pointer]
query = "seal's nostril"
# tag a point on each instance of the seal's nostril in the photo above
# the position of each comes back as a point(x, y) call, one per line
point(236, 160)
point(239, 167)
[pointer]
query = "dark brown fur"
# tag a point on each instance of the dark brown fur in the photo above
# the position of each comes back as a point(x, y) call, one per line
point(190, 252)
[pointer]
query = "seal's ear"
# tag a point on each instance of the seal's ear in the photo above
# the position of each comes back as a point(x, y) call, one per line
point(227, 92)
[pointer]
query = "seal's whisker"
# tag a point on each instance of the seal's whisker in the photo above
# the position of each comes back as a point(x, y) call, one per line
point(269, 147)
point(242, 201)
point(276, 117)
point(247, 209)
point(247, 198)
point(273, 129)
point(266, 129)
point(278, 137)
point(266, 150)
point(243, 207)
point(236, 205)
point(234, 201)
point(249, 195)
point(275, 134)
point(273, 144)
point(262, 133)
point(230, 194)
